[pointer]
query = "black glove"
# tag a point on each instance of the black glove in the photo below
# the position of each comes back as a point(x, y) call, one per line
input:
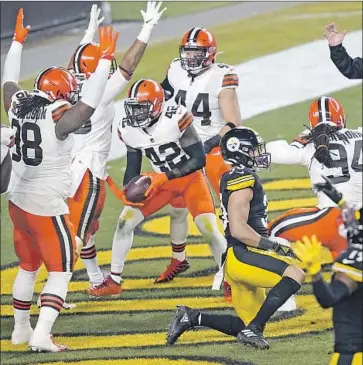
point(329, 190)
point(285, 251)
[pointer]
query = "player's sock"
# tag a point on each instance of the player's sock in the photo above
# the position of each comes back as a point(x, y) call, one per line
point(23, 289)
point(122, 239)
point(207, 225)
point(225, 323)
point(178, 251)
point(179, 228)
point(89, 258)
point(52, 299)
point(275, 298)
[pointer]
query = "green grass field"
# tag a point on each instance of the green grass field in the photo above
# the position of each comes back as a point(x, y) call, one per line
point(130, 10)
point(118, 331)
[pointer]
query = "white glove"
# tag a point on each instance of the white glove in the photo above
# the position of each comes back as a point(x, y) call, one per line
point(94, 22)
point(151, 18)
point(7, 140)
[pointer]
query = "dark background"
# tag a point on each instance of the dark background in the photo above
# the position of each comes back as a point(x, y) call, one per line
point(55, 16)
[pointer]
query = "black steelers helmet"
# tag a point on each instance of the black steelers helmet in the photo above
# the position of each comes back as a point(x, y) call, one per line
point(244, 146)
point(353, 222)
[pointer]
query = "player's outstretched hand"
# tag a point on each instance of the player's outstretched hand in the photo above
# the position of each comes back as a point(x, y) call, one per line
point(329, 190)
point(332, 35)
point(108, 39)
point(309, 252)
point(153, 13)
point(157, 180)
point(94, 19)
point(20, 33)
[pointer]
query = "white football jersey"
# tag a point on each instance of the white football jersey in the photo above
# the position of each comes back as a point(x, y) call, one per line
point(41, 176)
point(160, 143)
point(92, 142)
point(200, 95)
point(345, 149)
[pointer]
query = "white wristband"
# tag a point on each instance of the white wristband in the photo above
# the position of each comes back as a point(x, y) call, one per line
point(145, 33)
point(12, 63)
point(96, 84)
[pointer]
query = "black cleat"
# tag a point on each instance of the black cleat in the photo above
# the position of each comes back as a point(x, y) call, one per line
point(254, 337)
point(185, 319)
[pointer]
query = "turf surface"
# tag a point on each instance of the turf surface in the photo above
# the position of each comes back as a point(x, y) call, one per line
point(134, 326)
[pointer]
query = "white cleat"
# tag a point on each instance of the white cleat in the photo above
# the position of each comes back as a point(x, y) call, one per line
point(45, 343)
point(21, 335)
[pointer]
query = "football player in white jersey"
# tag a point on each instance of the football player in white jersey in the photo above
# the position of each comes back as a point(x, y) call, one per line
point(208, 89)
point(7, 141)
point(167, 137)
point(328, 149)
point(43, 120)
point(93, 139)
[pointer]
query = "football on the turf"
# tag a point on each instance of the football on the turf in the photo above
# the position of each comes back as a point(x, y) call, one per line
point(136, 188)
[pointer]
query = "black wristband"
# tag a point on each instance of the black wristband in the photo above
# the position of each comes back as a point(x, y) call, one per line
point(231, 125)
point(126, 71)
point(265, 244)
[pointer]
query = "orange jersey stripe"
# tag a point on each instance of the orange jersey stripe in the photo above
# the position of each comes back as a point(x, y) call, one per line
point(185, 121)
point(230, 83)
point(58, 113)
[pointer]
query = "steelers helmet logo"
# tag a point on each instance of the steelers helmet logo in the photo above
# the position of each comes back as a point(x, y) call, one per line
point(233, 144)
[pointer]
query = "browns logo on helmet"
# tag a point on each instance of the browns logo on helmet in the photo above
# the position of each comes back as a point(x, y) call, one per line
point(144, 103)
point(197, 50)
point(57, 83)
point(85, 60)
point(327, 110)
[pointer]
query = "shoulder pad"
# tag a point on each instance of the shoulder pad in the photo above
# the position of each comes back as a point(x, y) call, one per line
point(239, 179)
point(184, 117)
point(350, 262)
point(229, 75)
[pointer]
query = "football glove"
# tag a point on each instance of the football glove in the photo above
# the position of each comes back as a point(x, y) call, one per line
point(284, 251)
point(94, 20)
point(309, 252)
point(20, 33)
point(329, 190)
point(108, 39)
point(152, 14)
point(157, 180)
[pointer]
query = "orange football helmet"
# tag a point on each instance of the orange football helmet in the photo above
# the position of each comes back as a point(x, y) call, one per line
point(85, 60)
point(57, 83)
point(327, 110)
point(197, 50)
point(144, 103)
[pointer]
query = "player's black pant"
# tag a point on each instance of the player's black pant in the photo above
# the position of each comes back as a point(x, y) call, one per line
point(346, 359)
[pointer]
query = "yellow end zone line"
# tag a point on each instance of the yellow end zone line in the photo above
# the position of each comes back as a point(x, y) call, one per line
point(193, 250)
point(287, 184)
point(314, 319)
point(141, 305)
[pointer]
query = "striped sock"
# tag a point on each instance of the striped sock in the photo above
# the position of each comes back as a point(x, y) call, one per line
point(178, 251)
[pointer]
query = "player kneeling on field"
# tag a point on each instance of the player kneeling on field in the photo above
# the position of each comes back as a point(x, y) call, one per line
point(166, 136)
point(252, 261)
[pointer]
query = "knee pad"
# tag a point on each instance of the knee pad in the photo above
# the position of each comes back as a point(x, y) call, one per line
point(129, 218)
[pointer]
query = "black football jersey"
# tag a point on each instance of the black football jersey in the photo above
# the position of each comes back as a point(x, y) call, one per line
point(239, 179)
point(348, 314)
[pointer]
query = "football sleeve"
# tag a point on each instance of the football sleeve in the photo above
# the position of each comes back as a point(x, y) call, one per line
point(285, 154)
point(350, 263)
point(115, 84)
point(59, 109)
point(228, 78)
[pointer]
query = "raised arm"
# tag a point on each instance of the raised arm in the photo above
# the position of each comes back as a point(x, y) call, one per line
point(94, 22)
point(133, 55)
point(74, 117)
point(13, 59)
